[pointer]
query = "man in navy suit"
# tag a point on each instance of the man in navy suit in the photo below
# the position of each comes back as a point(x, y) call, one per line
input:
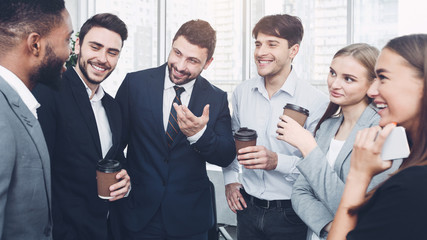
point(170, 197)
point(82, 125)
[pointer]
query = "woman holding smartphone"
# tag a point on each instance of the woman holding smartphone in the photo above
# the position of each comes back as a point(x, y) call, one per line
point(326, 158)
point(397, 209)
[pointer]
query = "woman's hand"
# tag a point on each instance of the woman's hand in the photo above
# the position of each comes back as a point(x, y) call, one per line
point(366, 156)
point(293, 133)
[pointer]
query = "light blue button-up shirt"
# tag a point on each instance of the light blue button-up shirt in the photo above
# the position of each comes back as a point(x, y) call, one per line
point(253, 108)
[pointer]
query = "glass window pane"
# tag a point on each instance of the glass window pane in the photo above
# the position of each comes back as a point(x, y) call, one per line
point(226, 18)
point(377, 21)
point(140, 49)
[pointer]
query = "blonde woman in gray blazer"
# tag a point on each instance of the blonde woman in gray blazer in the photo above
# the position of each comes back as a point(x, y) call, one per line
point(326, 157)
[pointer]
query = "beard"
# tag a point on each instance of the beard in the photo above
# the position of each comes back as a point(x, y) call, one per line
point(50, 70)
point(183, 80)
point(84, 65)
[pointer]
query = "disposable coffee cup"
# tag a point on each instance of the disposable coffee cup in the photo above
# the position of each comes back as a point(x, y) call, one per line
point(245, 137)
point(296, 112)
point(106, 171)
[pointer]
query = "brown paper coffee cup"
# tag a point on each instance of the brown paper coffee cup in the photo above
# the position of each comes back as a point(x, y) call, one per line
point(245, 137)
point(106, 172)
point(296, 112)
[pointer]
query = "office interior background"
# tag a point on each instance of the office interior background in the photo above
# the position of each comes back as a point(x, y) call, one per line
point(329, 25)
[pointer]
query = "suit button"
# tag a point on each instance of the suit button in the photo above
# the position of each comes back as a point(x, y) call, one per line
point(47, 231)
point(196, 149)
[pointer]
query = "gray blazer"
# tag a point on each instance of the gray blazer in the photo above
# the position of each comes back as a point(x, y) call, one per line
point(317, 192)
point(24, 171)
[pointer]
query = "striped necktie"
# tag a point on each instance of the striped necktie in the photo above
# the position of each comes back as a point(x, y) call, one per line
point(173, 128)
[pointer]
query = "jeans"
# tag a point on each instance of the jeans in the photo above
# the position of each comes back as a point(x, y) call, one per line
point(274, 223)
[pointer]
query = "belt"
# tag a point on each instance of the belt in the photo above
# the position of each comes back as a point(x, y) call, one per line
point(266, 204)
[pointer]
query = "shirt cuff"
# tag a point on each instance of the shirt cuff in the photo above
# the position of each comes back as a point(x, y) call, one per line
point(287, 165)
point(197, 136)
point(230, 175)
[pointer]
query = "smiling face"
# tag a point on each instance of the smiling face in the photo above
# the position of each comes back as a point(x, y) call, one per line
point(348, 82)
point(273, 57)
point(97, 54)
point(186, 61)
point(398, 91)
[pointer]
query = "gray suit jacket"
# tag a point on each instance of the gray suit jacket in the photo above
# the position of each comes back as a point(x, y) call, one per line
point(24, 171)
point(317, 192)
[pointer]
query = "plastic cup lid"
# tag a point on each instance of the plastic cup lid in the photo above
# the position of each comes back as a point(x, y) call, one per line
point(245, 134)
point(108, 165)
point(296, 108)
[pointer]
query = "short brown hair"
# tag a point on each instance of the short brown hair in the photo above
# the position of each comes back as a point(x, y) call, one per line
point(282, 26)
point(200, 33)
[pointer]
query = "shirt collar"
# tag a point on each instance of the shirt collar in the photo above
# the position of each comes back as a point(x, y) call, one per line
point(20, 88)
point(168, 84)
point(288, 87)
point(99, 93)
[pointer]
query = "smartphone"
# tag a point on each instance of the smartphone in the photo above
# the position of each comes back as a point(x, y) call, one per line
point(396, 145)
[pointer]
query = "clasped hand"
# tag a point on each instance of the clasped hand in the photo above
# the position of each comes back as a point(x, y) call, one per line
point(120, 189)
point(257, 157)
point(293, 133)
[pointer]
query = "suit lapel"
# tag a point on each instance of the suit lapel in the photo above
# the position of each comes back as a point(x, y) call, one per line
point(82, 99)
point(34, 130)
point(154, 91)
point(325, 137)
point(346, 149)
point(114, 125)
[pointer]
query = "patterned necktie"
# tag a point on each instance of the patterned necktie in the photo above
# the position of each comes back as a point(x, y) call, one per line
point(173, 128)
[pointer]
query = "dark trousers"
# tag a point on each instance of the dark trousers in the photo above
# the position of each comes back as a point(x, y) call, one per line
point(272, 222)
point(155, 230)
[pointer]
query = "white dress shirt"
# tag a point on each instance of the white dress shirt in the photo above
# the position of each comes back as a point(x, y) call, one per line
point(20, 88)
point(168, 96)
point(253, 108)
point(104, 130)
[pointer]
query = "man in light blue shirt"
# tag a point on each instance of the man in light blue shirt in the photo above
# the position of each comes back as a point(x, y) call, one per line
point(262, 200)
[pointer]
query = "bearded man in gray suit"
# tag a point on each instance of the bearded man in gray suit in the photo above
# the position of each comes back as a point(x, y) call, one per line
point(34, 44)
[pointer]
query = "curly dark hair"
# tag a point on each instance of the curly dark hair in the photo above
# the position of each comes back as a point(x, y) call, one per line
point(18, 18)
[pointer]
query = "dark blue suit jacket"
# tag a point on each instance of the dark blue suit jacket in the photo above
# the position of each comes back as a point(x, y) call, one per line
point(174, 181)
point(71, 133)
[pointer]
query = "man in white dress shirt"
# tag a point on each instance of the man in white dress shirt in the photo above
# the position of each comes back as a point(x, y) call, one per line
point(82, 124)
point(34, 45)
point(262, 199)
